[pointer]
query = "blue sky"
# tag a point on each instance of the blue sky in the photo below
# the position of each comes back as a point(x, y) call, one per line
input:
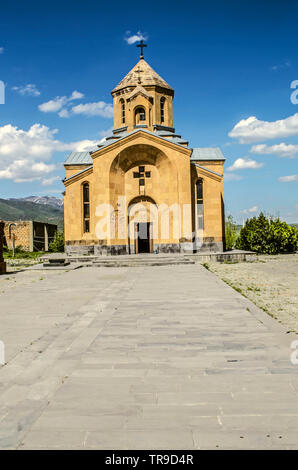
point(229, 63)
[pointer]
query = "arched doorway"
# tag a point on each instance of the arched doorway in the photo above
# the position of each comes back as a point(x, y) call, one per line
point(142, 224)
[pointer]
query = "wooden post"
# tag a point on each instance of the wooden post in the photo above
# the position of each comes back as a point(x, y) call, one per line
point(2, 263)
point(136, 236)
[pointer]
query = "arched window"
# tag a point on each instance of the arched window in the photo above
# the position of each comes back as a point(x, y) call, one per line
point(86, 208)
point(140, 115)
point(200, 206)
point(122, 110)
point(162, 109)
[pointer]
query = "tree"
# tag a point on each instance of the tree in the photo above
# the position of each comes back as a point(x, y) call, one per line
point(267, 235)
point(57, 245)
point(230, 233)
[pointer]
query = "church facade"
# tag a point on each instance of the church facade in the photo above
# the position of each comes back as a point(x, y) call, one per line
point(144, 189)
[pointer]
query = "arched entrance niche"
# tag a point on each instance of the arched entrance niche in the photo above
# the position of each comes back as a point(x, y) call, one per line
point(159, 184)
point(142, 224)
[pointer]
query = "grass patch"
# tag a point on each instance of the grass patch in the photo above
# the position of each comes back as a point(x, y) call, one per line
point(21, 254)
point(206, 266)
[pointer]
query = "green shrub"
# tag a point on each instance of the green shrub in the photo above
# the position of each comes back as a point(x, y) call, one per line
point(230, 233)
point(267, 235)
point(21, 254)
point(57, 245)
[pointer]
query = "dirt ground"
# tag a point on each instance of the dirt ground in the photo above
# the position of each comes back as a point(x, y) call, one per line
point(271, 282)
point(17, 275)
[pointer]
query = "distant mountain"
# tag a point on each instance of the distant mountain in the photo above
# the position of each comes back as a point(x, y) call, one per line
point(22, 209)
point(48, 200)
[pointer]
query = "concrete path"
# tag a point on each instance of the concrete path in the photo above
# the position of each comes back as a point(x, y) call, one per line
point(142, 358)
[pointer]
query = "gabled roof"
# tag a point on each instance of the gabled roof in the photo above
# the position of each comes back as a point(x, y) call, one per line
point(117, 137)
point(136, 91)
point(79, 173)
point(145, 76)
point(207, 153)
point(198, 154)
point(207, 169)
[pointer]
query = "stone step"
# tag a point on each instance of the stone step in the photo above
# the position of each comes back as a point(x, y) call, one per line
point(116, 262)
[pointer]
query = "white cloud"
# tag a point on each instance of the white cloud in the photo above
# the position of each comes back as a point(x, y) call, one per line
point(23, 171)
point(54, 105)
point(64, 113)
point(50, 181)
point(84, 145)
point(57, 103)
point(281, 150)
point(99, 108)
point(106, 133)
point(23, 153)
point(29, 90)
point(244, 164)
point(252, 210)
point(63, 105)
point(253, 130)
point(1, 50)
point(132, 38)
point(232, 177)
point(35, 143)
point(288, 179)
point(76, 95)
point(284, 65)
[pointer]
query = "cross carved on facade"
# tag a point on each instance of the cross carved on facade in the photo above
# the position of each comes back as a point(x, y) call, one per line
point(138, 71)
point(142, 175)
point(141, 45)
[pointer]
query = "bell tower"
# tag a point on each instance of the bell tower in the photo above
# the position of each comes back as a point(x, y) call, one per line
point(142, 99)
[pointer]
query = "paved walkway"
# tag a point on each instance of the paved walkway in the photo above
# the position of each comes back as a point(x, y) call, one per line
point(142, 358)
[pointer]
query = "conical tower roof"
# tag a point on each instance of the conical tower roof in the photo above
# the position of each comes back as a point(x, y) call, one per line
point(142, 74)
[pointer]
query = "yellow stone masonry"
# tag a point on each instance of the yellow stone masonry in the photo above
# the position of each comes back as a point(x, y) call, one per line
point(143, 182)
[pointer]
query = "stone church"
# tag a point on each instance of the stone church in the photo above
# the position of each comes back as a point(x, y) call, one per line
point(144, 189)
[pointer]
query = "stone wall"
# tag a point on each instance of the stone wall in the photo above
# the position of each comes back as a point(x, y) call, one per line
point(22, 232)
point(29, 235)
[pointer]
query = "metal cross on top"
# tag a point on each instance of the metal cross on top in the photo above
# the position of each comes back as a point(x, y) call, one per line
point(141, 45)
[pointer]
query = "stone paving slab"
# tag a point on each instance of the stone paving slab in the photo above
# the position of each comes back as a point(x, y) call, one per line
point(143, 358)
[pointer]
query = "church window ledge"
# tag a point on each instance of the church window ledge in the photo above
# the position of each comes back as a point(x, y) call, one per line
point(140, 126)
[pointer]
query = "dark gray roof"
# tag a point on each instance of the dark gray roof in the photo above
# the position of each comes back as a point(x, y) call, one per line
point(171, 137)
point(78, 158)
point(198, 154)
point(207, 153)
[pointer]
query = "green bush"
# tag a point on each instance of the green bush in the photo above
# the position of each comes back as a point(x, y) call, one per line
point(20, 253)
point(57, 245)
point(267, 235)
point(230, 233)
